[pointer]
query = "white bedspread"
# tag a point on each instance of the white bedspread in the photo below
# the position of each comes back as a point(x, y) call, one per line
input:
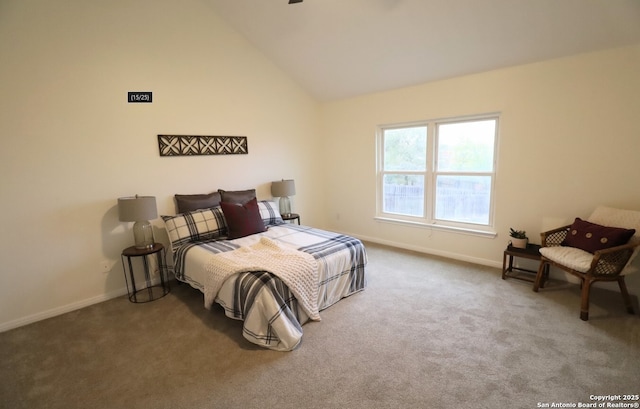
point(298, 270)
point(271, 313)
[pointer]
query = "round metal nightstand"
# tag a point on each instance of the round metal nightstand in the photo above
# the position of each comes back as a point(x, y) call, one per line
point(151, 291)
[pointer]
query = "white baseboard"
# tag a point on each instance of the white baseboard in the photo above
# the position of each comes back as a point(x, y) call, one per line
point(555, 273)
point(61, 310)
point(85, 303)
point(420, 249)
point(155, 280)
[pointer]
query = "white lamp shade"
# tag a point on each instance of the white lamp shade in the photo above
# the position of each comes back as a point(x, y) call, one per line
point(283, 188)
point(137, 208)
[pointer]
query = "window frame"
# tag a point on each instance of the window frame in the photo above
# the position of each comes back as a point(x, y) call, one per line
point(430, 176)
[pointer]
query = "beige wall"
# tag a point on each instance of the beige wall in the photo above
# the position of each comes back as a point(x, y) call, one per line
point(569, 140)
point(71, 145)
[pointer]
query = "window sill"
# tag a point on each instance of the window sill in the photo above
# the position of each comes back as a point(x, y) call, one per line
point(461, 230)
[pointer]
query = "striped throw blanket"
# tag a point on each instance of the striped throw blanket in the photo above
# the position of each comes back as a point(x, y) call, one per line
point(297, 269)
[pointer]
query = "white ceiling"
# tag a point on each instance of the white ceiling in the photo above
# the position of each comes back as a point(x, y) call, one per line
point(342, 48)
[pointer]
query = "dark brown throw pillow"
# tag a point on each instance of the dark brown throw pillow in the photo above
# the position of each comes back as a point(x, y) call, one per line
point(189, 203)
point(592, 237)
point(242, 219)
point(237, 196)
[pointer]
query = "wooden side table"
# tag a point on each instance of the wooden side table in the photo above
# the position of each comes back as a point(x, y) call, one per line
point(291, 216)
point(151, 291)
point(532, 252)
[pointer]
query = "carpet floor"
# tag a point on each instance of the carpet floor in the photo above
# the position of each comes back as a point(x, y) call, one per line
point(426, 333)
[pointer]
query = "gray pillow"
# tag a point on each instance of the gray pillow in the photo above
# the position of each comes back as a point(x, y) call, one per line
point(189, 203)
point(237, 196)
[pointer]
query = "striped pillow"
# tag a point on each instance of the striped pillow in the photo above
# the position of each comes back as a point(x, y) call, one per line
point(198, 225)
point(269, 213)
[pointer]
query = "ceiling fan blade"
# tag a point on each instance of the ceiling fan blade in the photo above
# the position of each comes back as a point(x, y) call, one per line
point(295, 1)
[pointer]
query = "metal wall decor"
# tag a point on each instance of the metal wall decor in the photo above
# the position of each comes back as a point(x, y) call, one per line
point(189, 145)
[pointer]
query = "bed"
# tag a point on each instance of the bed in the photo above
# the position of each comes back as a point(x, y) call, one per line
point(274, 279)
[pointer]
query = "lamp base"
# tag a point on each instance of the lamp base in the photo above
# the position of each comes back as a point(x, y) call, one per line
point(143, 235)
point(285, 206)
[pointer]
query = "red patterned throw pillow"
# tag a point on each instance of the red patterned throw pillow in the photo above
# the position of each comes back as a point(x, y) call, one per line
point(242, 219)
point(592, 237)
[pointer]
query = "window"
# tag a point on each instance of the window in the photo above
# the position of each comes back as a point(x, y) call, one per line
point(439, 173)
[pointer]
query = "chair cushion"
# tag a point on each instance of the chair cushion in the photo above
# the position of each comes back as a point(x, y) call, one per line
point(592, 237)
point(572, 257)
point(610, 216)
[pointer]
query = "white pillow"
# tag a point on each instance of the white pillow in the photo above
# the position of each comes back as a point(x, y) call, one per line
point(269, 213)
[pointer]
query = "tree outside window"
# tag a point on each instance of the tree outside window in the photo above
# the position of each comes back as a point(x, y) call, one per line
point(438, 172)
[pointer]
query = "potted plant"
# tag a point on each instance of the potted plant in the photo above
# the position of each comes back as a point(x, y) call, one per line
point(519, 238)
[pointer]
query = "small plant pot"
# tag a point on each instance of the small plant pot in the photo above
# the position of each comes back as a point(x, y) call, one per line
point(519, 243)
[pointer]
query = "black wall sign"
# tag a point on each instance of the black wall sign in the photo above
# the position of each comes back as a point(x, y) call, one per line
point(140, 96)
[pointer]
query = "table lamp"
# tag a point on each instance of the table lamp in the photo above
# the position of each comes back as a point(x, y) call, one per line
point(283, 189)
point(139, 209)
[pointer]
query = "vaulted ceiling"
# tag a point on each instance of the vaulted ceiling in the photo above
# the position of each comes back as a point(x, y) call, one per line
point(342, 48)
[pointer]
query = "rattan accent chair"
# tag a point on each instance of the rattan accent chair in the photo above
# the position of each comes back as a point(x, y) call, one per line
point(610, 264)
